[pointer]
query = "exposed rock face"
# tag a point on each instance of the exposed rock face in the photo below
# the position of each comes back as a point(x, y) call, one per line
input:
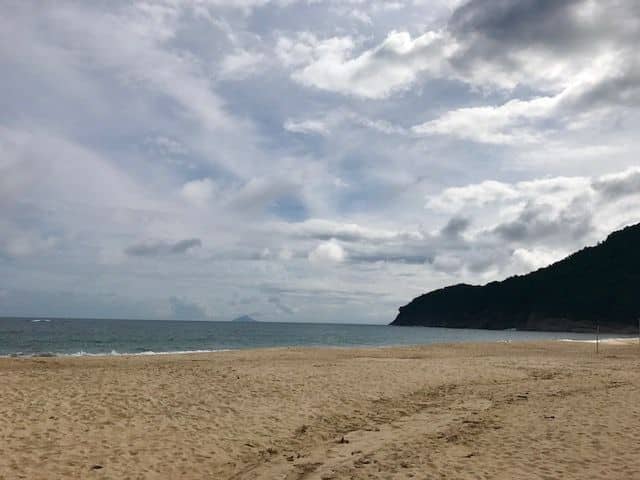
point(597, 285)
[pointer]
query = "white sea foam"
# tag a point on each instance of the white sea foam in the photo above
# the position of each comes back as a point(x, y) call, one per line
point(608, 341)
point(178, 352)
point(113, 353)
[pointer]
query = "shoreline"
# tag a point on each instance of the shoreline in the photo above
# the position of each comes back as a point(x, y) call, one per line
point(463, 410)
point(113, 354)
point(625, 340)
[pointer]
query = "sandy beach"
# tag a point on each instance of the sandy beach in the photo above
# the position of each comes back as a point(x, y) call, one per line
point(527, 410)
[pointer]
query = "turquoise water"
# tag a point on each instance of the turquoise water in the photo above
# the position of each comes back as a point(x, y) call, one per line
point(90, 337)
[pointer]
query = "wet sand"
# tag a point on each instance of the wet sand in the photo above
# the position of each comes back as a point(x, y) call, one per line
point(500, 411)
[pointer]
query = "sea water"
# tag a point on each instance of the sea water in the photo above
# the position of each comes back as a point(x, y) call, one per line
point(47, 336)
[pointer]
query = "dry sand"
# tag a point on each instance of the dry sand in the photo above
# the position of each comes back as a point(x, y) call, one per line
point(506, 411)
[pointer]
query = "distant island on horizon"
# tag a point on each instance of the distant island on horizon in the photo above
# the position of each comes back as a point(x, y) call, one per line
point(597, 286)
point(244, 319)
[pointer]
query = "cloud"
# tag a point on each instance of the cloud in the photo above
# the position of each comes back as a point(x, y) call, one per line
point(136, 38)
point(306, 126)
point(282, 308)
point(543, 44)
point(465, 49)
point(518, 122)
point(302, 49)
point(454, 198)
point(198, 192)
point(486, 193)
point(15, 242)
point(168, 146)
point(378, 72)
point(241, 64)
point(182, 309)
point(533, 259)
point(336, 121)
point(537, 220)
point(502, 227)
point(618, 185)
point(447, 262)
point(28, 174)
point(455, 227)
point(265, 194)
point(154, 249)
point(552, 215)
point(329, 251)
point(321, 229)
point(243, 144)
point(506, 124)
point(572, 55)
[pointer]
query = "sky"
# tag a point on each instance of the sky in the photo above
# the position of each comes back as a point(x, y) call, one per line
point(305, 160)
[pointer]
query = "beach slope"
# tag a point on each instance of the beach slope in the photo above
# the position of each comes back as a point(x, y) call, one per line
point(499, 411)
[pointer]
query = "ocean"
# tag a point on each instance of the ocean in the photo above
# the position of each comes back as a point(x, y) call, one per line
point(44, 336)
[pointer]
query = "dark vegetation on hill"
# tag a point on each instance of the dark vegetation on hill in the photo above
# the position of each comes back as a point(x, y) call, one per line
point(597, 285)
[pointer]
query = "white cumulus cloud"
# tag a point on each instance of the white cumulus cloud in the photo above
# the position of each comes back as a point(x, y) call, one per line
point(330, 251)
point(198, 192)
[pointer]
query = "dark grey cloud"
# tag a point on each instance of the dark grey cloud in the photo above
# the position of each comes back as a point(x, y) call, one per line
point(622, 89)
point(347, 232)
point(504, 36)
point(485, 260)
point(305, 293)
point(182, 309)
point(426, 250)
point(154, 249)
point(517, 22)
point(496, 28)
point(390, 256)
point(617, 186)
point(538, 221)
point(442, 252)
point(283, 308)
point(455, 226)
